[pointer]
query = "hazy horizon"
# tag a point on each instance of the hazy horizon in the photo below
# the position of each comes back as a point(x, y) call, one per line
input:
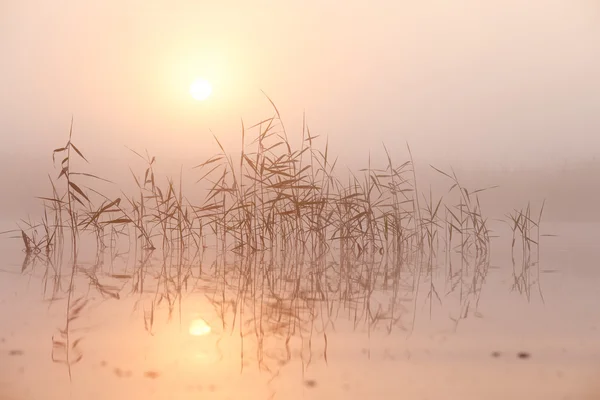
point(499, 85)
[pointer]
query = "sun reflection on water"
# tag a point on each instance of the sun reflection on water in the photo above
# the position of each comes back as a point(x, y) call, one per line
point(199, 327)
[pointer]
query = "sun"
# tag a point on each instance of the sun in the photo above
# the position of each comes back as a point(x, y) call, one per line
point(200, 89)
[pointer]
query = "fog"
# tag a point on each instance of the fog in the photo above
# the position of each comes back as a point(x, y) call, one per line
point(494, 86)
point(278, 277)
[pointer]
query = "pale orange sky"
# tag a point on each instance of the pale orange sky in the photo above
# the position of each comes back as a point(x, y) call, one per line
point(500, 82)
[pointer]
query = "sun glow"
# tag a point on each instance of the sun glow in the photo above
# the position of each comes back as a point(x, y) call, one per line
point(200, 89)
point(199, 327)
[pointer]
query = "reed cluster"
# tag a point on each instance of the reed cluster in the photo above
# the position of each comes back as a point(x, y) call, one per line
point(293, 243)
point(269, 197)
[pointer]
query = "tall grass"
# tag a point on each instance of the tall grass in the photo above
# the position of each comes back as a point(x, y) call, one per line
point(272, 197)
point(294, 244)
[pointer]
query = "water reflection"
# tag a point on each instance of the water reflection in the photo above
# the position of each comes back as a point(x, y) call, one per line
point(269, 308)
point(286, 326)
point(186, 322)
point(199, 327)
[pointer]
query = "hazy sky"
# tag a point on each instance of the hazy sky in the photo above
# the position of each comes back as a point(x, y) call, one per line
point(499, 82)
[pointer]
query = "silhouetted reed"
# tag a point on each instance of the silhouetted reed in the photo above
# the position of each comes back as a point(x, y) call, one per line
point(291, 244)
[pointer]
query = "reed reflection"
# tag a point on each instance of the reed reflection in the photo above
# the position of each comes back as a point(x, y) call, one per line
point(278, 253)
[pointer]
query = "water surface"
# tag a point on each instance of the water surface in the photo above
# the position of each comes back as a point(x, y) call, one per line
point(147, 325)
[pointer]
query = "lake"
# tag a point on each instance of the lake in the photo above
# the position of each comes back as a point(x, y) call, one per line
point(160, 325)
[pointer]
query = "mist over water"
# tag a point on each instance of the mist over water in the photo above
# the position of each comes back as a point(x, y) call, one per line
point(495, 87)
point(500, 85)
point(278, 276)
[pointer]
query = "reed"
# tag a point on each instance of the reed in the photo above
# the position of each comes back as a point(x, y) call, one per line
point(293, 245)
point(277, 198)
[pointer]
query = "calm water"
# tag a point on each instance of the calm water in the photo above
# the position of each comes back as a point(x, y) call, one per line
point(133, 325)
